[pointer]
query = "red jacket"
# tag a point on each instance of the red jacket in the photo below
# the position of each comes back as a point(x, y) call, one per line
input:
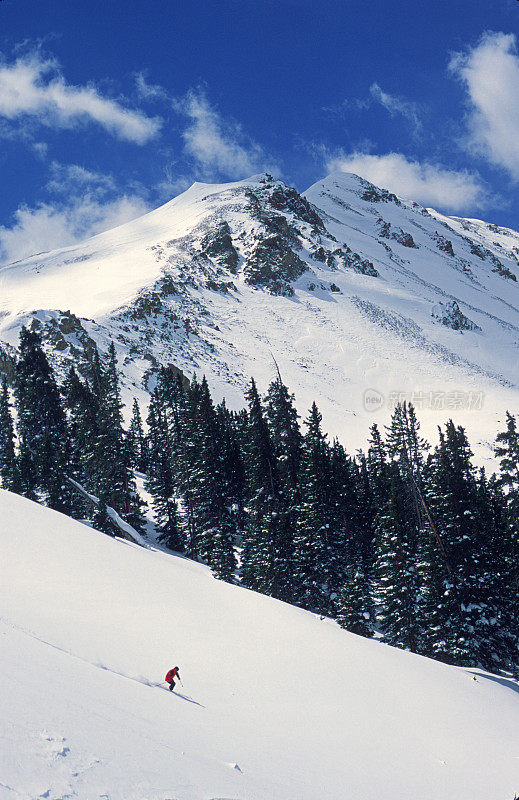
point(172, 674)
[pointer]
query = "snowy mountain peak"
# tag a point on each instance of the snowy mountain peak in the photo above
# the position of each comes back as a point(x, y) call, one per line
point(350, 288)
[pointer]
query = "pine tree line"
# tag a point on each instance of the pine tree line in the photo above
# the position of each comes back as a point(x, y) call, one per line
point(410, 543)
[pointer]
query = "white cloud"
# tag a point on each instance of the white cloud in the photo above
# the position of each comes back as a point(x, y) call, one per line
point(33, 87)
point(67, 178)
point(428, 184)
point(216, 145)
point(40, 150)
point(150, 91)
point(396, 105)
point(49, 226)
point(490, 72)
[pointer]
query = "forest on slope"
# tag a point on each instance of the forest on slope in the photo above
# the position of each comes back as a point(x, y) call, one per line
point(401, 541)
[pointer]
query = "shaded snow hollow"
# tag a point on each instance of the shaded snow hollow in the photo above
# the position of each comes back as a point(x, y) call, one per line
point(276, 704)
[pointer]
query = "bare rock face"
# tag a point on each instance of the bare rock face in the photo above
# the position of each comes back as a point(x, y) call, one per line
point(64, 333)
point(375, 195)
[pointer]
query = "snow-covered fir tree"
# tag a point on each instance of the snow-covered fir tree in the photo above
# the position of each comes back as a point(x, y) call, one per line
point(354, 603)
point(397, 592)
point(463, 603)
point(313, 557)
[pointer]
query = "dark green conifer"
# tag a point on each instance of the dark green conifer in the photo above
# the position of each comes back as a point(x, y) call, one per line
point(136, 443)
point(42, 426)
point(354, 604)
point(9, 469)
point(160, 480)
point(313, 553)
point(267, 564)
point(397, 591)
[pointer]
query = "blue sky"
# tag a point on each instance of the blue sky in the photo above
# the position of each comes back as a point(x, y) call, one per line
point(109, 108)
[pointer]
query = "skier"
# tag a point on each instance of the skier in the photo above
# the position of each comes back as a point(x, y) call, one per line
point(170, 678)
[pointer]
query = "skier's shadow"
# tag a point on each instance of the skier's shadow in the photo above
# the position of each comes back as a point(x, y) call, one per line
point(510, 684)
point(187, 699)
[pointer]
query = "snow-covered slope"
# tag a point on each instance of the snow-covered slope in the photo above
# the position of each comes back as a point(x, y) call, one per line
point(362, 298)
point(277, 704)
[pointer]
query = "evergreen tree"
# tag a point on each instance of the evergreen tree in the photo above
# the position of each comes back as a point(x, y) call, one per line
point(406, 448)
point(378, 468)
point(354, 604)
point(347, 542)
point(286, 437)
point(232, 464)
point(268, 548)
point(368, 504)
point(160, 480)
point(507, 450)
point(136, 442)
point(465, 612)
point(185, 433)
point(499, 618)
point(314, 559)
point(44, 442)
point(9, 472)
point(116, 484)
point(82, 406)
point(397, 592)
point(211, 495)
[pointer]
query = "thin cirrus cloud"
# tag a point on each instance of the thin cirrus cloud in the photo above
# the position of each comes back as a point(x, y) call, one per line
point(426, 183)
point(490, 75)
point(34, 88)
point(70, 178)
point(397, 106)
point(217, 146)
point(393, 104)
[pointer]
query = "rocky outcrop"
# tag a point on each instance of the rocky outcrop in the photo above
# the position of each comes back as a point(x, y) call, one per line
point(487, 255)
point(388, 231)
point(284, 198)
point(217, 244)
point(450, 315)
point(64, 333)
point(375, 195)
point(273, 265)
point(443, 244)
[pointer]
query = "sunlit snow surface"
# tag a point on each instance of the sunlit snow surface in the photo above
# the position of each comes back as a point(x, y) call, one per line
point(276, 704)
point(369, 344)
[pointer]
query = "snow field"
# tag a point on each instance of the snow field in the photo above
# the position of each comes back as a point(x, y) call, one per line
point(276, 705)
